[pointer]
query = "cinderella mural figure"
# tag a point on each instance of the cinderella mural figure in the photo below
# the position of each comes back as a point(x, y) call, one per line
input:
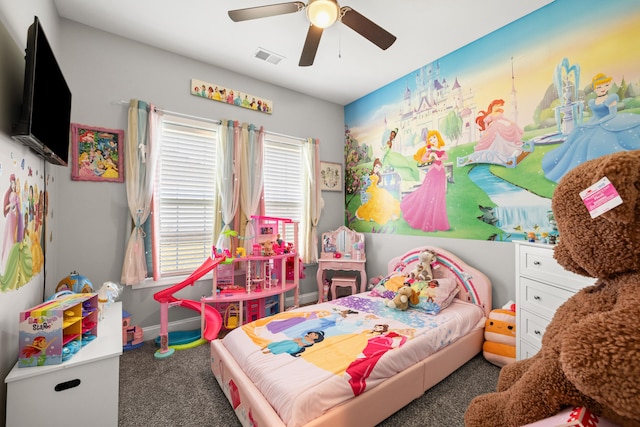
point(381, 206)
point(426, 208)
point(607, 132)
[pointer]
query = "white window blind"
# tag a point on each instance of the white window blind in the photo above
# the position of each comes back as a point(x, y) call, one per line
point(283, 168)
point(185, 195)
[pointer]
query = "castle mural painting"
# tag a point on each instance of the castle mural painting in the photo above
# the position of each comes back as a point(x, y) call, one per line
point(472, 145)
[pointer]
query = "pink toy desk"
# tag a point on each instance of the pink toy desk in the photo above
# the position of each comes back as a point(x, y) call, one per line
point(342, 250)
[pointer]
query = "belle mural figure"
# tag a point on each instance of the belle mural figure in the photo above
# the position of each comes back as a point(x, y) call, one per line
point(426, 208)
point(381, 206)
point(607, 132)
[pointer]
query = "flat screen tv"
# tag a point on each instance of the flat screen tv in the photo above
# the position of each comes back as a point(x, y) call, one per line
point(46, 104)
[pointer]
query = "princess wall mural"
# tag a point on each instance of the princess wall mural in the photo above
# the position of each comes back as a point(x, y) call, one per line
point(24, 210)
point(473, 145)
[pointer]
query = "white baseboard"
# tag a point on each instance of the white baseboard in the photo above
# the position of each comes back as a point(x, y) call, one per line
point(191, 323)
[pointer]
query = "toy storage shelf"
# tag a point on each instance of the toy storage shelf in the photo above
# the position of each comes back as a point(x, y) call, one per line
point(79, 392)
point(54, 331)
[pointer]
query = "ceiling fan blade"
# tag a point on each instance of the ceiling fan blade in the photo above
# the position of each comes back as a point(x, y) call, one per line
point(265, 11)
point(367, 28)
point(310, 46)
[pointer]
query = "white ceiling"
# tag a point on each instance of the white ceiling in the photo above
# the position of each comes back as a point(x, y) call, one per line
point(346, 67)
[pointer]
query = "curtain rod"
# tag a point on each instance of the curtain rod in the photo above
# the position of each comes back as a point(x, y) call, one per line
point(217, 122)
point(287, 136)
point(175, 113)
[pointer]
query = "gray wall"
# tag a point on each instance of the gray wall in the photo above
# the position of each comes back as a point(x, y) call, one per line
point(103, 69)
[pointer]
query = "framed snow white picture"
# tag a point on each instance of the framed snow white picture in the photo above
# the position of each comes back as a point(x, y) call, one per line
point(97, 154)
point(330, 176)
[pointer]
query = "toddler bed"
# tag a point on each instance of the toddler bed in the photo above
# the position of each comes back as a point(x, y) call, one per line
point(354, 360)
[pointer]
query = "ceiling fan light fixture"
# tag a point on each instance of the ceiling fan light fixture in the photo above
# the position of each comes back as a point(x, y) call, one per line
point(323, 13)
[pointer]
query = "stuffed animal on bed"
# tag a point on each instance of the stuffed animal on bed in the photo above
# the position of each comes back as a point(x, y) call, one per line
point(589, 353)
point(403, 297)
point(423, 271)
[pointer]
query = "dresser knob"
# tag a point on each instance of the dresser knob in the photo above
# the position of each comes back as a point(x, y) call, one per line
point(537, 332)
point(537, 297)
point(536, 263)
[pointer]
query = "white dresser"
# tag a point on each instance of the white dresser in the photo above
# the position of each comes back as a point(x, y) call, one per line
point(83, 391)
point(542, 285)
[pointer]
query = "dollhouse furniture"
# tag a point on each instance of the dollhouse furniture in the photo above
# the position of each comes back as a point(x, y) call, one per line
point(79, 392)
point(251, 286)
point(277, 390)
point(542, 285)
point(342, 250)
point(343, 281)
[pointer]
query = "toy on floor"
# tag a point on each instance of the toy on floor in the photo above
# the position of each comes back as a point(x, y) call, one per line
point(499, 346)
point(589, 352)
point(132, 336)
point(213, 320)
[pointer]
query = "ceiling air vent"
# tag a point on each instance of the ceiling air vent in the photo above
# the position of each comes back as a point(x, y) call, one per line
point(267, 56)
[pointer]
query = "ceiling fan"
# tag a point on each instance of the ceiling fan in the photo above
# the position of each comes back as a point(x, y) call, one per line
point(321, 14)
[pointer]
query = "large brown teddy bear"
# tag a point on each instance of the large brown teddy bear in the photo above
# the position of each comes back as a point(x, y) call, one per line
point(590, 353)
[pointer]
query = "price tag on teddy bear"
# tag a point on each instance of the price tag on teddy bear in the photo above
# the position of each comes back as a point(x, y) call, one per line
point(600, 197)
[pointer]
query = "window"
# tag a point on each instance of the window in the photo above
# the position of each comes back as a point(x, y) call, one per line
point(184, 214)
point(283, 168)
point(185, 195)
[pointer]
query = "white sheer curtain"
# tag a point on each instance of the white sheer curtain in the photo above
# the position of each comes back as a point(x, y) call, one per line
point(227, 178)
point(141, 156)
point(251, 160)
point(313, 202)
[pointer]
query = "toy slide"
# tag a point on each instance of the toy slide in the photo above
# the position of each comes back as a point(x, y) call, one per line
point(213, 320)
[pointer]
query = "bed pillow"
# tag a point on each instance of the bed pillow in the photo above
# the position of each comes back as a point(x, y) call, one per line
point(388, 286)
point(435, 295)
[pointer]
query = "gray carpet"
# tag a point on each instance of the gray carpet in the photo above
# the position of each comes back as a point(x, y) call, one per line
point(181, 391)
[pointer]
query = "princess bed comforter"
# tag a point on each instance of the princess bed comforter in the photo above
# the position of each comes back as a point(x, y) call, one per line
point(308, 360)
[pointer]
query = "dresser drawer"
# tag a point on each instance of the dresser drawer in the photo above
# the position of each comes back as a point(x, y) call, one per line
point(532, 327)
point(539, 263)
point(336, 264)
point(541, 298)
point(526, 349)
